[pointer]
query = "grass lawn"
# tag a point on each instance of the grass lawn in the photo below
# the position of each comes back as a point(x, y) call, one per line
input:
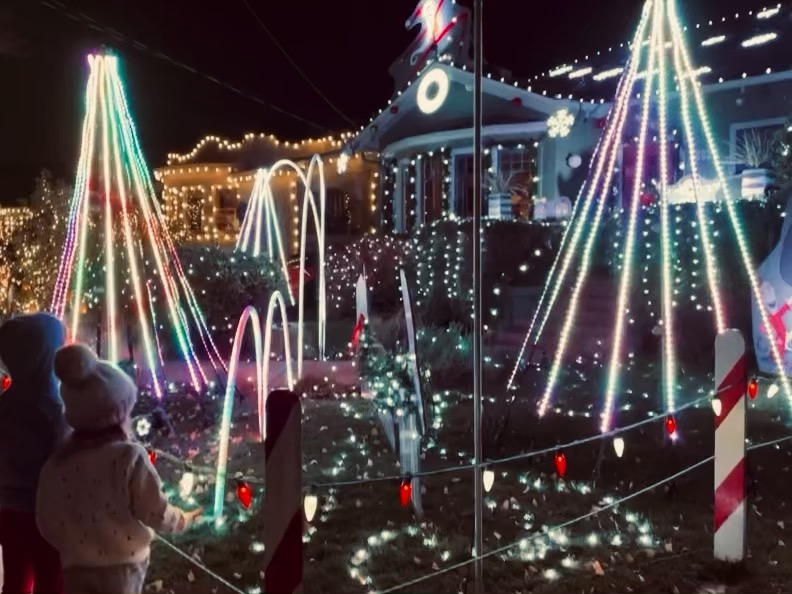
point(363, 541)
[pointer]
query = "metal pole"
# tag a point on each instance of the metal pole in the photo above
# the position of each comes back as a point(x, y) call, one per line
point(478, 317)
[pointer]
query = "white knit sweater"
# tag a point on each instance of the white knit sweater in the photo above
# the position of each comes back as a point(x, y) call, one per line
point(97, 506)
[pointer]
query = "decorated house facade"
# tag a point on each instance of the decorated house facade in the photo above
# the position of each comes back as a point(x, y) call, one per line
point(206, 191)
point(541, 132)
point(412, 163)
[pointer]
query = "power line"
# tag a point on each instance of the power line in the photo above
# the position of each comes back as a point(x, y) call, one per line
point(449, 469)
point(92, 23)
point(294, 64)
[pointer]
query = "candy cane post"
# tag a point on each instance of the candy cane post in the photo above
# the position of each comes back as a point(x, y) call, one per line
point(730, 384)
point(283, 511)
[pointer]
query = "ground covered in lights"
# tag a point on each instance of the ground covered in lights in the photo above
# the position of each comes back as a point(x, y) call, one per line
point(362, 541)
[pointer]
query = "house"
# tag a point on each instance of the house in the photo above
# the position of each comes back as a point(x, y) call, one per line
point(205, 191)
point(412, 163)
point(540, 133)
point(535, 145)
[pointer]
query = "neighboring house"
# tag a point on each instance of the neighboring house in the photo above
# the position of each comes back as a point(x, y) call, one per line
point(206, 191)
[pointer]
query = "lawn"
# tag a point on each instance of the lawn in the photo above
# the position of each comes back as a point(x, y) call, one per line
point(362, 540)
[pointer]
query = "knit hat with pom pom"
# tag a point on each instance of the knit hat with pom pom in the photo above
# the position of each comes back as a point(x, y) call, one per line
point(96, 394)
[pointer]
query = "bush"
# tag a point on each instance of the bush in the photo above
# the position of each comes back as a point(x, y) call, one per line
point(225, 282)
point(382, 257)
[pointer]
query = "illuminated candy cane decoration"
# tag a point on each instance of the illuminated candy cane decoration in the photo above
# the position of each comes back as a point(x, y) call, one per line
point(730, 505)
point(249, 315)
point(262, 217)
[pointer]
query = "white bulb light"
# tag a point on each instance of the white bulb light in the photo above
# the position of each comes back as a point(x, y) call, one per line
point(773, 390)
point(433, 90)
point(717, 406)
point(618, 446)
point(186, 485)
point(309, 505)
point(489, 479)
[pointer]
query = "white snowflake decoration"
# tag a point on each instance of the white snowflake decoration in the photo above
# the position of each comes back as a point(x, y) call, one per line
point(559, 125)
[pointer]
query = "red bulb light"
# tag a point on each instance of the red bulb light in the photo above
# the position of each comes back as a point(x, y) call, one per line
point(405, 492)
point(152, 456)
point(244, 494)
point(560, 464)
point(670, 425)
point(753, 388)
point(5, 383)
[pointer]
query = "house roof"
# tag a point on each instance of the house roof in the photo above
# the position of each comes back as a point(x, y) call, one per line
point(728, 47)
point(750, 43)
point(503, 104)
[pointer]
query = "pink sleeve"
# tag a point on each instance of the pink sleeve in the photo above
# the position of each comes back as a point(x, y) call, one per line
point(148, 502)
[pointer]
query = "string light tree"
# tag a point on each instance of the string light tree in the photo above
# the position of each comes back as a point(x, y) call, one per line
point(668, 133)
point(119, 263)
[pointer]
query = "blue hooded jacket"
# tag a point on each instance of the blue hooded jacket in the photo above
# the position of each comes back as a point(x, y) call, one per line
point(31, 412)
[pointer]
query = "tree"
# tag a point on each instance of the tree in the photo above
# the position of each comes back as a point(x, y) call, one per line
point(31, 255)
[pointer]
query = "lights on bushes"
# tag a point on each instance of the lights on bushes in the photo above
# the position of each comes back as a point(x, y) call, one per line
point(152, 454)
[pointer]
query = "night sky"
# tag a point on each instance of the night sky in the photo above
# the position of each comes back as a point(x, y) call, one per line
point(344, 47)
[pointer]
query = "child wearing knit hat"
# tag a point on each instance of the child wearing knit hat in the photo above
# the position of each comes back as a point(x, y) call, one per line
point(99, 496)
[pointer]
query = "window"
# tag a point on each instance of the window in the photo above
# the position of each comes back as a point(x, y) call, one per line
point(753, 144)
point(338, 214)
point(432, 187)
point(195, 213)
point(463, 185)
point(516, 162)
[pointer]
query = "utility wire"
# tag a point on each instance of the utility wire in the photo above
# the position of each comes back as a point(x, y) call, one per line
point(500, 550)
point(487, 463)
point(294, 64)
point(92, 23)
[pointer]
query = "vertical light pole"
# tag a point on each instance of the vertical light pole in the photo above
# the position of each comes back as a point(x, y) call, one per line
point(478, 317)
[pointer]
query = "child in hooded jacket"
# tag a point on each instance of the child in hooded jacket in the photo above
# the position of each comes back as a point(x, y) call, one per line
point(31, 428)
point(99, 495)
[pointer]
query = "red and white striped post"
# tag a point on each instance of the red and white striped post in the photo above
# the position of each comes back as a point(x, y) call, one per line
point(283, 509)
point(730, 385)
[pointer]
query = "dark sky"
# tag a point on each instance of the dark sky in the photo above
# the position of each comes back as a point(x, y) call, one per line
point(345, 47)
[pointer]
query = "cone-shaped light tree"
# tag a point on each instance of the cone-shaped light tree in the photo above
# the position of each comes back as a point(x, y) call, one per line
point(120, 280)
point(659, 109)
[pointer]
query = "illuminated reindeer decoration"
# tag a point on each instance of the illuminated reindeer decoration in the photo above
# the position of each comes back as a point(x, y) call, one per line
point(441, 23)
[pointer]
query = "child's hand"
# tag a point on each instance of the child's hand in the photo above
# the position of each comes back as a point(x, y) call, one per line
point(194, 516)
